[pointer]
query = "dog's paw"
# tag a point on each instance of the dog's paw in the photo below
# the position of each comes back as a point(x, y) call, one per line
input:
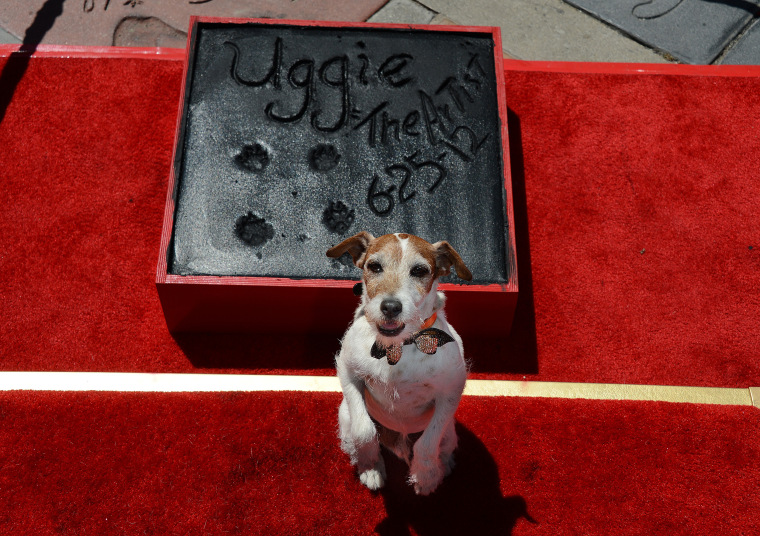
point(373, 478)
point(425, 485)
point(372, 472)
point(426, 477)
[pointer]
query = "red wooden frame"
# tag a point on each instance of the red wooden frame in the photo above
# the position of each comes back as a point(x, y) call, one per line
point(267, 304)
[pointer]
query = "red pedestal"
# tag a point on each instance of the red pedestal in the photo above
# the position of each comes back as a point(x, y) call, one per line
point(223, 303)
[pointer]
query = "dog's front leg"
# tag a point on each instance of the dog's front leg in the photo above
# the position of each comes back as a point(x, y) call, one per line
point(358, 434)
point(430, 463)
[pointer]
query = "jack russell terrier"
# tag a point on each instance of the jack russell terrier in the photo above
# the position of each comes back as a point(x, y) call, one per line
point(401, 365)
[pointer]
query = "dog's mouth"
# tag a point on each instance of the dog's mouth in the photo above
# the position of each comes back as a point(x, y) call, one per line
point(390, 329)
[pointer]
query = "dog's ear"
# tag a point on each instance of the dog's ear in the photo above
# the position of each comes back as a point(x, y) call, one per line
point(356, 246)
point(446, 257)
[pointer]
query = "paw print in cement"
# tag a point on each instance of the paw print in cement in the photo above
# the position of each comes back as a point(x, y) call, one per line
point(324, 157)
point(337, 217)
point(253, 230)
point(253, 158)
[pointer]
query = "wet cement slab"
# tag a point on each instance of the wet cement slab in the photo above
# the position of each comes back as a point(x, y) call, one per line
point(295, 138)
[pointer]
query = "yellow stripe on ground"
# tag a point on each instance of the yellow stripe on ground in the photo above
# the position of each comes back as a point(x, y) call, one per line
point(599, 391)
point(162, 383)
point(168, 383)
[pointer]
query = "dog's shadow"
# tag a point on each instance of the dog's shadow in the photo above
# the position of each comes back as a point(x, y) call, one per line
point(469, 501)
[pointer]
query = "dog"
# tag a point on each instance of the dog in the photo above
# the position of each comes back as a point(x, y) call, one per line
point(401, 365)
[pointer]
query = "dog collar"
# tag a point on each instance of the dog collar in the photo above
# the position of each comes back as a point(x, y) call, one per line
point(427, 340)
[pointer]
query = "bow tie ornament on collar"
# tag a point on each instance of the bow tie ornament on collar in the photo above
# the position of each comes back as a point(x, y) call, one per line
point(427, 341)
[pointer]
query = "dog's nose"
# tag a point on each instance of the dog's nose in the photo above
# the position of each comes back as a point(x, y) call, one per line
point(390, 307)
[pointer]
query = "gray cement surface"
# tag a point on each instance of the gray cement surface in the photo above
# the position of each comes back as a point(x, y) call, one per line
point(547, 30)
point(8, 38)
point(746, 49)
point(97, 22)
point(404, 11)
point(692, 31)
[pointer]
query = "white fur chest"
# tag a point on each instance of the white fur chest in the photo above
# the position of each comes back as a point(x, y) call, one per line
point(402, 396)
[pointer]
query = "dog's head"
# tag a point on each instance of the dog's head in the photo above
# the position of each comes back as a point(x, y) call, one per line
point(400, 276)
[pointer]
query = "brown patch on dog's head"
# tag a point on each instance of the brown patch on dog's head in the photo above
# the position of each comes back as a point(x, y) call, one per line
point(389, 244)
point(380, 275)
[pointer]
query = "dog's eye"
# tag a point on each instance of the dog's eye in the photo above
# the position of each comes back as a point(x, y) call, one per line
point(420, 271)
point(374, 267)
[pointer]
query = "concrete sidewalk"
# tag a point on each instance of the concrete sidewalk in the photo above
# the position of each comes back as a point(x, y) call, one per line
point(688, 31)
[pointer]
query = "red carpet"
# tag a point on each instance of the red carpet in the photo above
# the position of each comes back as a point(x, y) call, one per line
point(636, 206)
point(103, 464)
point(642, 216)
